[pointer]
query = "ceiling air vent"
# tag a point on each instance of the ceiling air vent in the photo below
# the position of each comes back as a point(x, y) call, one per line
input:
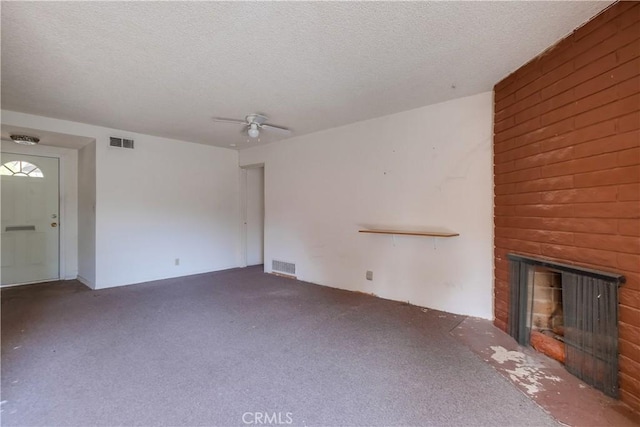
point(120, 142)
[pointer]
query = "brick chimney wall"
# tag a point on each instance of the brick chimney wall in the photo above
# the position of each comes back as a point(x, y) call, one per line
point(567, 166)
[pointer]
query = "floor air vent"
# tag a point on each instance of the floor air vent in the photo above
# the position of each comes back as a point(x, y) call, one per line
point(283, 267)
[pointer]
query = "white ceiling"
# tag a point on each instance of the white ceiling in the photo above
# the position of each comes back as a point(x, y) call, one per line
point(166, 68)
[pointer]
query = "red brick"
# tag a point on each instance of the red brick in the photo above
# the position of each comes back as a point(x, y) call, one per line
point(608, 44)
point(580, 195)
point(518, 245)
point(550, 157)
point(629, 333)
point(629, 157)
point(628, 52)
point(556, 55)
point(599, 98)
point(629, 315)
point(624, 175)
point(622, 73)
point(502, 189)
point(629, 227)
point(542, 236)
point(505, 124)
point(561, 113)
point(519, 222)
point(518, 176)
point(503, 103)
point(501, 89)
point(594, 31)
point(528, 114)
point(528, 85)
point(518, 199)
point(629, 262)
point(579, 255)
point(592, 70)
point(501, 305)
point(558, 101)
point(596, 131)
point(517, 153)
point(609, 111)
point(555, 211)
point(629, 384)
point(608, 144)
point(628, 192)
point(629, 122)
point(632, 280)
point(628, 366)
point(624, 244)
point(500, 322)
point(545, 132)
point(519, 129)
point(629, 349)
point(623, 20)
point(556, 74)
point(628, 87)
point(567, 188)
point(522, 105)
point(546, 184)
point(631, 400)
point(580, 225)
point(504, 210)
point(587, 164)
point(504, 168)
point(608, 210)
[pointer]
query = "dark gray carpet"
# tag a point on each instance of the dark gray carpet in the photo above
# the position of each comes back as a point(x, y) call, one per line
point(212, 348)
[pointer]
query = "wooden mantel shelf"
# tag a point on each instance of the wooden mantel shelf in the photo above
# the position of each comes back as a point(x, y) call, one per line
point(411, 233)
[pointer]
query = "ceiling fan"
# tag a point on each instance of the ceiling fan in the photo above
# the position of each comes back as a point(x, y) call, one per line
point(253, 124)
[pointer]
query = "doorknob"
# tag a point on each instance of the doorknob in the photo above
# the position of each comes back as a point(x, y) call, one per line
point(54, 224)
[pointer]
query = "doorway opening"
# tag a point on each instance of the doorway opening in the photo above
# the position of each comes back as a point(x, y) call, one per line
point(254, 214)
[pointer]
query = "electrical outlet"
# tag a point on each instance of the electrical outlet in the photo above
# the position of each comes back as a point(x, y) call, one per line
point(369, 275)
point(177, 262)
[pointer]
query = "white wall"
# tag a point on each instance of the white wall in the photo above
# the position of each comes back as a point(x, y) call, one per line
point(161, 201)
point(165, 199)
point(68, 200)
point(87, 215)
point(425, 168)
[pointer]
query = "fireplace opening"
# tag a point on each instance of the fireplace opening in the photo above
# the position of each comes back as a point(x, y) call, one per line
point(569, 313)
point(546, 313)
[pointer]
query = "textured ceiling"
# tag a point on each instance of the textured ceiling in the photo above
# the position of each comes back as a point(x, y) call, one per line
point(166, 68)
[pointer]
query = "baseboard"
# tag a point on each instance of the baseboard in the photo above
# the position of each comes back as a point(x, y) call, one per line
point(86, 282)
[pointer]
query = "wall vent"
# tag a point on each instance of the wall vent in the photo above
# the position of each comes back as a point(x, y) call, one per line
point(283, 267)
point(120, 142)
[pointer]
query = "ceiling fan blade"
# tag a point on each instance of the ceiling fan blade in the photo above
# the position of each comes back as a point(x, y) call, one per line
point(224, 120)
point(277, 129)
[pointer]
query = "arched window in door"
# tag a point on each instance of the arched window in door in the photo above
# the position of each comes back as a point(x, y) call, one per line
point(20, 168)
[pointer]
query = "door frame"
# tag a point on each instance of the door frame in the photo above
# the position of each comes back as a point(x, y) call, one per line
point(244, 214)
point(66, 225)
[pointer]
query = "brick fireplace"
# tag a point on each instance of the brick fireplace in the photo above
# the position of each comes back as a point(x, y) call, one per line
point(567, 170)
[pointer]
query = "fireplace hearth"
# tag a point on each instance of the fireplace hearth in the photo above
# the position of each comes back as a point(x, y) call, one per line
point(570, 314)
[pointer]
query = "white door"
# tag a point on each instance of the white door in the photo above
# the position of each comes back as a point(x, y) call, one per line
point(30, 232)
point(255, 216)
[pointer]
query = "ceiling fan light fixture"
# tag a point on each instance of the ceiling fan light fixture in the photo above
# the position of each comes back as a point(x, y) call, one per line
point(25, 139)
point(253, 130)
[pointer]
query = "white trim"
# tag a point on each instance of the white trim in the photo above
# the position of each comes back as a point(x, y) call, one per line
point(243, 217)
point(86, 282)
